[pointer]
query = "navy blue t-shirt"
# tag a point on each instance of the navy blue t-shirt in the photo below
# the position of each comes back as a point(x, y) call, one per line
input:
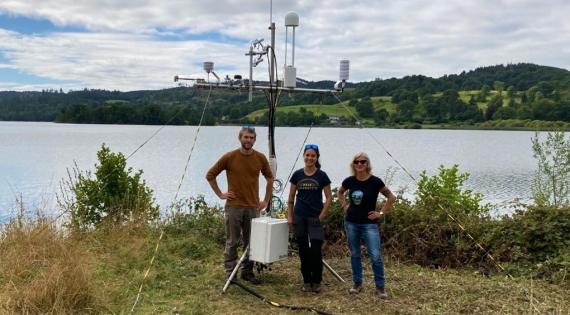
point(362, 196)
point(309, 201)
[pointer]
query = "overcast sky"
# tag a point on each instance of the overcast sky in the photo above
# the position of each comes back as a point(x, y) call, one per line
point(131, 45)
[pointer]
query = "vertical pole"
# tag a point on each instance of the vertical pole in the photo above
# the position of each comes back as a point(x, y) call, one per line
point(272, 95)
point(250, 73)
point(293, 49)
point(272, 61)
point(272, 103)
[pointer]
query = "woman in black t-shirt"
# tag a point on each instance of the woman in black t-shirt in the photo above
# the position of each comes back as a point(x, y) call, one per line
point(361, 221)
point(306, 210)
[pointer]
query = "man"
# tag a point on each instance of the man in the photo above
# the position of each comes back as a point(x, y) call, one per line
point(242, 168)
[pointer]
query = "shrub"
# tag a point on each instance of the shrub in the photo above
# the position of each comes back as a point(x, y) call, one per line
point(193, 215)
point(430, 232)
point(551, 185)
point(114, 195)
point(536, 237)
point(443, 193)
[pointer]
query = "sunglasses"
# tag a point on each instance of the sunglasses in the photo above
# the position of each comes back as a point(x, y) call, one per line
point(248, 128)
point(311, 146)
point(359, 162)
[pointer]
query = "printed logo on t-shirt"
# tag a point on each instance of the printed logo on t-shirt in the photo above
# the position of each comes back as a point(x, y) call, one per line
point(357, 197)
point(308, 184)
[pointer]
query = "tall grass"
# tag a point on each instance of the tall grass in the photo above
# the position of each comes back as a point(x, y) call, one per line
point(42, 270)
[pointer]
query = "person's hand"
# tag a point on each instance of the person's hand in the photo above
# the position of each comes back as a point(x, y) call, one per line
point(321, 217)
point(372, 215)
point(230, 195)
point(290, 223)
point(262, 205)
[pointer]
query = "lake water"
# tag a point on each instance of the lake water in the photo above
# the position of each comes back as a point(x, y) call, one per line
point(35, 156)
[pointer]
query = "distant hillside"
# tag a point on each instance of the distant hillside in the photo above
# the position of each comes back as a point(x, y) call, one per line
point(514, 91)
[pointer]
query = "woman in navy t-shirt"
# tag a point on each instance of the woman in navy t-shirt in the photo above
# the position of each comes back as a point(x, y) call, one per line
point(306, 210)
point(361, 221)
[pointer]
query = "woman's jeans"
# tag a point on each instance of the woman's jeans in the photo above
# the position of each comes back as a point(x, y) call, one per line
point(371, 236)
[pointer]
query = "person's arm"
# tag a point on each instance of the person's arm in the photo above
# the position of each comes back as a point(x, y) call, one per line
point(291, 204)
point(213, 172)
point(268, 174)
point(268, 192)
point(390, 199)
point(229, 195)
point(342, 198)
point(327, 204)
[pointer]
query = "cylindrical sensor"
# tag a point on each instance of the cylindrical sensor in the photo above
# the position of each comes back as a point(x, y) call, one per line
point(343, 70)
point(208, 66)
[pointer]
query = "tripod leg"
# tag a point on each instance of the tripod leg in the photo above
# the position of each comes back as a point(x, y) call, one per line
point(333, 272)
point(236, 268)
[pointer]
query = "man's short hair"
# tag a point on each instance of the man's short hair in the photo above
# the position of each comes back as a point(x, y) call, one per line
point(248, 129)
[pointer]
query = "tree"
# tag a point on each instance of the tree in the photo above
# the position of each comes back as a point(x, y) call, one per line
point(484, 92)
point(499, 87)
point(114, 195)
point(551, 185)
point(380, 116)
point(511, 91)
point(365, 107)
point(405, 110)
point(492, 107)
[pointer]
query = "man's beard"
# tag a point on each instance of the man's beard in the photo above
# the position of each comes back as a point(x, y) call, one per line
point(244, 146)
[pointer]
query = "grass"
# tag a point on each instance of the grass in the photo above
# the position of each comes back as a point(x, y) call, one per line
point(330, 110)
point(44, 270)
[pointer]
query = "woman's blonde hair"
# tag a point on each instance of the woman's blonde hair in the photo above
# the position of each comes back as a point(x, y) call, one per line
point(356, 157)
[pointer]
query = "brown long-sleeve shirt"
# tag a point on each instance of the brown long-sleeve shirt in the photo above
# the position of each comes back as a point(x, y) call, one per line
point(242, 172)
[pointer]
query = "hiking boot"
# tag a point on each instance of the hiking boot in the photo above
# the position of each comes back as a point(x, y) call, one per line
point(381, 293)
point(307, 287)
point(250, 278)
point(316, 287)
point(355, 289)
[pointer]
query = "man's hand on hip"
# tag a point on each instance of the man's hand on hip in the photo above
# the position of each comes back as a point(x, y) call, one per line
point(230, 195)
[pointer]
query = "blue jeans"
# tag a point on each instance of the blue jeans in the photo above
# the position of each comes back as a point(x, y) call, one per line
point(371, 236)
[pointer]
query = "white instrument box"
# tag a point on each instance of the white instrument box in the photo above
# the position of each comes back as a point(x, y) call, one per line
point(269, 240)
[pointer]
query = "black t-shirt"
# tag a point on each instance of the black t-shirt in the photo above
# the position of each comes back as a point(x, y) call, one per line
point(362, 196)
point(309, 201)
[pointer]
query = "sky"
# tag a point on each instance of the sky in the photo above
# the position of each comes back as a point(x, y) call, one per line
point(143, 44)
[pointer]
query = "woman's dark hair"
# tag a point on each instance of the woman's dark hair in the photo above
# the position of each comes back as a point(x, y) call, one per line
point(317, 164)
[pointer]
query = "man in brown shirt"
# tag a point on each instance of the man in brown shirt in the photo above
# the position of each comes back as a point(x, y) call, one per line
point(242, 168)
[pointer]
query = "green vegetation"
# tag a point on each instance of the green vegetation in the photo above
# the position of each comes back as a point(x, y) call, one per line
point(113, 196)
point(483, 98)
point(444, 252)
point(551, 185)
point(100, 272)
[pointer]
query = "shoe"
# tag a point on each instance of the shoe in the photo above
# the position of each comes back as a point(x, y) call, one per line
point(307, 287)
point(316, 287)
point(381, 293)
point(355, 289)
point(249, 277)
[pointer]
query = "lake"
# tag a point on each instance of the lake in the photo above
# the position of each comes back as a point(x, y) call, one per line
point(34, 157)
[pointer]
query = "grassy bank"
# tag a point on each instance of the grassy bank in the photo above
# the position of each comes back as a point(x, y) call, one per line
point(44, 270)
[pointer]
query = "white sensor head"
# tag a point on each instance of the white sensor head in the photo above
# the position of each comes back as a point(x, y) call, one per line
point(292, 19)
point(208, 66)
point(344, 70)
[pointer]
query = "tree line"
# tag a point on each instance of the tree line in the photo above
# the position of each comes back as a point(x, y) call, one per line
point(513, 91)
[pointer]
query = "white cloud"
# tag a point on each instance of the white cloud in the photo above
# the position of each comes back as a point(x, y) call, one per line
point(381, 38)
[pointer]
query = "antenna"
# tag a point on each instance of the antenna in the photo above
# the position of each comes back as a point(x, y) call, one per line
point(272, 91)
